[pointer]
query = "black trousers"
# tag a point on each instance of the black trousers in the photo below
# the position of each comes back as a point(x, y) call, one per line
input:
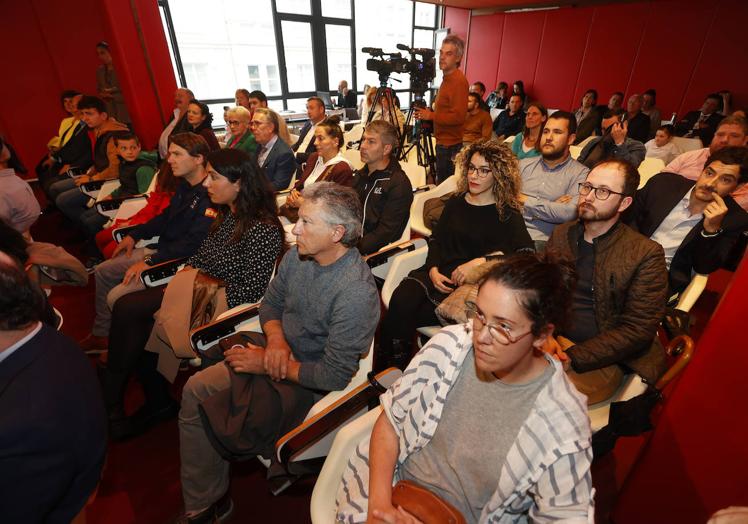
point(410, 308)
point(132, 321)
point(445, 166)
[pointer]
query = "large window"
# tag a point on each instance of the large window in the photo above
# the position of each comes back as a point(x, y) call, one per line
point(289, 49)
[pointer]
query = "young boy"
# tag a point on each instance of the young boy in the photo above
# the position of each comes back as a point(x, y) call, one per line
point(136, 170)
point(662, 146)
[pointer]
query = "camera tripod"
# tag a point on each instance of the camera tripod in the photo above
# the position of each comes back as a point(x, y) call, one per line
point(384, 93)
point(420, 135)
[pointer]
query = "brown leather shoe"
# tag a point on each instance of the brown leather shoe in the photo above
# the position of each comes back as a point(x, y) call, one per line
point(93, 345)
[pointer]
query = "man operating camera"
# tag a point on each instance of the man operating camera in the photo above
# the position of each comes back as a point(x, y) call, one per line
point(450, 107)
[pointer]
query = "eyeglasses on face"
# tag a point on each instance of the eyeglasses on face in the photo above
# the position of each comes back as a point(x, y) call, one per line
point(601, 193)
point(234, 122)
point(481, 172)
point(498, 333)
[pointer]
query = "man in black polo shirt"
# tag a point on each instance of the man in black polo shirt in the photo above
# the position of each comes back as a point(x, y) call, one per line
point(181, 229)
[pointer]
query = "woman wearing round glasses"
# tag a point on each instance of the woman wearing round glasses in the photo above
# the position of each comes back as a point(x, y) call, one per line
point(484, 418)
point(482, 219)
point(238, 122)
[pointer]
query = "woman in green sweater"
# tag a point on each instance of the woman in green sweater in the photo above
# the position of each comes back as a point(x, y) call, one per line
point(238, 119)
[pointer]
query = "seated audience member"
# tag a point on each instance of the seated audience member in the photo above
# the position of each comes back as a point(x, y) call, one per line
point(105, 156)
point(108, 86)
point(241, 98)
point(526, 142)
point(649, 108)
point(732, 131)
point(274, 155)
point(478, 125)
point(621, 288)
point(68, 125)
point(326, 164)
point(616, 101)
point(181, 228)
point(391, 114)
point(488, 386)
point(696, 223)
point(702, 123)
point(346, 97)
point(498, 99)
point(518, 88)
point(304, 146)
point(19, 207)
point(488, 193)
point(240, 252)
point(200, 121)
point(742, 113)
point(74, 151)
point(383, 188)
point(613, 144)
point(136, 172)
point(178, 123)
point(479, 88)
point(318, 318)
point(510, 121)
point(662, 145)
point(366, 103)
point(239, 119)
point(638, 122)
point(550, 184)
point(589, 116)
point(157, 201)
point(53, 426)
point(256, 100)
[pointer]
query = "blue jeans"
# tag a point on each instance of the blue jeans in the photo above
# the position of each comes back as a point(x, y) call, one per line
point(72, 203)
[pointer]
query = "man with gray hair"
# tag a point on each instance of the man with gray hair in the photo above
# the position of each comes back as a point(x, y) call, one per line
point(318, 319)
point(450, 107)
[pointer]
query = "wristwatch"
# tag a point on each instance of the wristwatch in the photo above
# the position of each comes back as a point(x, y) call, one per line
point(148, 259)
point(710, 235)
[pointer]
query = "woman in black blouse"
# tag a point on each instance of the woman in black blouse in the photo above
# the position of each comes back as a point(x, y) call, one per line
point(483, 218)
point(241, 249)
point(200, 121)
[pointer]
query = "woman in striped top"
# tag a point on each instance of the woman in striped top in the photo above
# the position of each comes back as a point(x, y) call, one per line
point(483, 417)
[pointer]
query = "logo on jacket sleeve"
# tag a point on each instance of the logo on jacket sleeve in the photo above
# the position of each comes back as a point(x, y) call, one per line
point(210, 212)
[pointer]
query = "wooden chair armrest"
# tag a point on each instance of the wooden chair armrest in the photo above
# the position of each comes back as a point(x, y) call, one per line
point(313, 438)
point(153, 276)
point(203, 337)
point(681, 346)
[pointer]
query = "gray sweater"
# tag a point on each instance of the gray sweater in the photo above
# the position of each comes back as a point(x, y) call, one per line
point(328, 313)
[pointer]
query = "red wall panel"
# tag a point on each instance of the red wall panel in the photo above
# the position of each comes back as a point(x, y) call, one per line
point(560, 58)
point(666, 62)
point(611, 50)
point(485, 40)
point(520, 44)
point(722, 62)
point(695, 462)
point(457, 20)
point(684, 49)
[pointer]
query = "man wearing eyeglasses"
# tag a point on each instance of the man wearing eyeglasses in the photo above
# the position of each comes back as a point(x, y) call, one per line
point(550, 181)
point(696, 222)
point(621, 287)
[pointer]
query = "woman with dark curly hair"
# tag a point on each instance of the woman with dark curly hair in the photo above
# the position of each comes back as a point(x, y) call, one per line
point(200, 121)
point(481, 220)
point(240, 252)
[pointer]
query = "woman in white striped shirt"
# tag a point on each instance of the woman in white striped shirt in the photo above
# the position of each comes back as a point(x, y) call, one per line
point(483, 417)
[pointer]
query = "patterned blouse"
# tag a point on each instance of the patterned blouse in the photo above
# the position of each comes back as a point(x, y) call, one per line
point(244, 266)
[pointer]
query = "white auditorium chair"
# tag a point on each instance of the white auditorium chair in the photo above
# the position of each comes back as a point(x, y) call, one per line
point(417, 224)
point(354, 157)
point(632, 384)
point(649, 168)
point(416, 173)
point(584, 142)
point(687, 144)
point(574, 151)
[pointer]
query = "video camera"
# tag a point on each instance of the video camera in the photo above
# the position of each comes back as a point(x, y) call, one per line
point(421, 72)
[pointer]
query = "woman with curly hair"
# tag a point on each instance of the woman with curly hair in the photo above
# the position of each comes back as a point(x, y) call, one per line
point(481, 220)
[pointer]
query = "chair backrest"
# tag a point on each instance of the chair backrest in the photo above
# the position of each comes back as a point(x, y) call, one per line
point(107, 189)
point(416, 173)
point(509, 139)
point(354, 157)
point(584, 142)
point(322, 505)
point(400, 266)
point(495, 112)
point(574, 151)
point(687, 144)
point(354, 134)
point(649, 168)
point(416, 209)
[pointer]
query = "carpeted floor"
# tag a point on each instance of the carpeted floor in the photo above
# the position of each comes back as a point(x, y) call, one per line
point(140, 483)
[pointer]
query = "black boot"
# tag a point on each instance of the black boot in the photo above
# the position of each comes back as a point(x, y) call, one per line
point(393, 353)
